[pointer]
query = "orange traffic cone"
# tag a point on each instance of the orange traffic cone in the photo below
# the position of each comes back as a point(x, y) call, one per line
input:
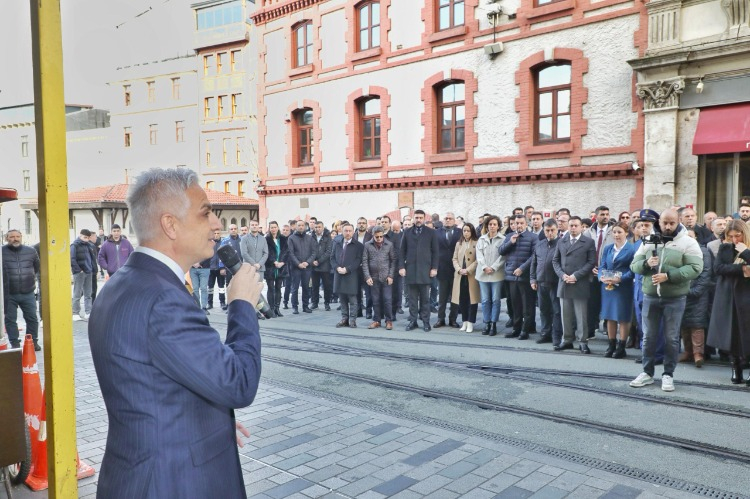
point(37, 479)
point(32, 390)
point(4, 343)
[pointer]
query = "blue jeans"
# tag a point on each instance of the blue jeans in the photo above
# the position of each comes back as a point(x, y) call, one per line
point(490, 300)
point(638, 302)
point(199, 278)
point(671, 310)
point(27, 303)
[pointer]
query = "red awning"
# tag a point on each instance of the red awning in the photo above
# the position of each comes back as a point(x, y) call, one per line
point(723, 129)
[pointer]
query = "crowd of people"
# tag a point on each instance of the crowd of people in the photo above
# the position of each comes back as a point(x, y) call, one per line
point(661, 283)
point(645, 280)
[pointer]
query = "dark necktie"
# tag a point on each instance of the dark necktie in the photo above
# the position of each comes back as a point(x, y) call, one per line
point(448, 234)
point(343, 253)
point(599, 244)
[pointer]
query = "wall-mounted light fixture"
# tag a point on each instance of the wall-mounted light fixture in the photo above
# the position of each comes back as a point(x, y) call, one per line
point(699, 86)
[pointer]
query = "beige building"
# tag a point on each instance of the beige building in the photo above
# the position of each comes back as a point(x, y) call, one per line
point(694, 80)
point(226, 66)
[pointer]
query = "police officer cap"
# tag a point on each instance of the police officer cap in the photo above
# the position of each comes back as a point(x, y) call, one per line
point(648, 216)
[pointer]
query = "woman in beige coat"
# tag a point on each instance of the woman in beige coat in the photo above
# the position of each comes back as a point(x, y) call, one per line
point(465, 286)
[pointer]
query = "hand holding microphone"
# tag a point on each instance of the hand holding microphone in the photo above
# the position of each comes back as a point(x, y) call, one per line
point(245, 284)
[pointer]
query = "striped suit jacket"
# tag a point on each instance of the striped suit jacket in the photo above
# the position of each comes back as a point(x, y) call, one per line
point(170, 386)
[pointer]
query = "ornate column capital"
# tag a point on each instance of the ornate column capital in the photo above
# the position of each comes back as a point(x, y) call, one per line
point(661, 95)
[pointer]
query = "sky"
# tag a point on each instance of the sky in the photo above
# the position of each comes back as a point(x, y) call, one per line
point(98, 36)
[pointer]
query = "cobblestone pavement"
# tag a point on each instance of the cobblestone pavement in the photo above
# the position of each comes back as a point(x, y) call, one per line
point(306, 445)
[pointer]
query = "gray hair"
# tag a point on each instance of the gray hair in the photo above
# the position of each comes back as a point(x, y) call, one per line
point(377, 230)
point(155, 192)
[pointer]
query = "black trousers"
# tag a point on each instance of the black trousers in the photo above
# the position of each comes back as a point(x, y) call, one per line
point(397, 292)
point(215, 277)
point(468, 311)
point(549, 312)
point(419, 302)
point(382, 306)
point(445, 290)
point(524, 301)
point(93, 286)
point(327, 279)
point(273, 297)
point(301, 277)
point(287, 287)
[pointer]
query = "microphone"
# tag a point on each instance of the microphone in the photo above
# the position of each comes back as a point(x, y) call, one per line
point(231, 260)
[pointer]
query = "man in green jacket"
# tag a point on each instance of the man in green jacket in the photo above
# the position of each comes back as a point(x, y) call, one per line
point(668, 269)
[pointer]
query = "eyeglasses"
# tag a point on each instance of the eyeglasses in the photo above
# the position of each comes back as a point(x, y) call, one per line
point(378, 237)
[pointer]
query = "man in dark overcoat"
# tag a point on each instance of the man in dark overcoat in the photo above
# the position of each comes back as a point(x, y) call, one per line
point(575, 258)
point(418, 264)
point(346, 261)
point(322, 266)
point(395, 239)
point(448, 235)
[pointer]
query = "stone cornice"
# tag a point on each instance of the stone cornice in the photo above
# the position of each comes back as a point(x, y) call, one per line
point(569, 174)
point(273, 9)
point(689, 54)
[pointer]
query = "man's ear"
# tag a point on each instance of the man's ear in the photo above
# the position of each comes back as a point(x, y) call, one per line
point(168, 224)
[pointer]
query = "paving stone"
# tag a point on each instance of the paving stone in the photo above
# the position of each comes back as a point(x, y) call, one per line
point(523, 468)
point(358, 487)
point(513, 492)
point(384, 438)
point(434, 483)
point(358, 459)
point(381, 428)
point(282, 445)
point(288, 488)
point(358, 473)
point(283, 477)
point(301, 470)
point(587, 492)
point(295, 461)
point(465, 483)
point(551, 470)
point(392, 471)
point(433, 452)
point(569, 481)
point(371, 495)
point(623, 492)
point(458, 469)
point(599, 483)
point(442, 494)
point(500, 482)
point(407, 494)
point(534, 481)
point(395, 485)
point(478, 494)
point(481, 457)
point(259, 487)
point(550, 493)
point(325, 473)
point(334, 483)
point(497, 465)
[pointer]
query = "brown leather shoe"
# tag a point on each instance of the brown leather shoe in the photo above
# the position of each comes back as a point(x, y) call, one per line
point(343, 323)
point(388, 325)
point(374, 325)
point(439, 323)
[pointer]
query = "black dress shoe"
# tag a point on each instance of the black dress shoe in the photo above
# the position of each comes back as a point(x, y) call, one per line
point(360, 314)
point(37, 348)
point(487, 328)
point(427, 327)
point(327, 308)
point(224, 307)
point(278, 313)
point(544, 339)
point(523, 336)
point(313, 306)
point(400, 311)
point(306, 310)
point(209, 307)
point(509, 323)
point(563, 346)
point(295, 311)
point(584, 348)
point(439, 323)
point(454, 324)
point(368, 315)
point(411, 325)
point(514, 334)
point(286, 306)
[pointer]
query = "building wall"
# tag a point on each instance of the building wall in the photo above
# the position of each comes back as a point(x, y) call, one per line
point(167, 107)
point(599, 38)
point(227, 151)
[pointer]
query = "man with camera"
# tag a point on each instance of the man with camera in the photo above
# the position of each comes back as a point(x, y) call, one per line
point(668, 260)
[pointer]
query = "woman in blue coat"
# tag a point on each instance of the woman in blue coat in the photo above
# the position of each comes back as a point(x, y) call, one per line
point(617, 292)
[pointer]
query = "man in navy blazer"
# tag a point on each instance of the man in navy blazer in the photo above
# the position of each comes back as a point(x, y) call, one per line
point(170, 386)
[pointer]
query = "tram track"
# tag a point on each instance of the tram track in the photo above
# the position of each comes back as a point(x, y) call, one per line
point(642, 435)
point(525, 374)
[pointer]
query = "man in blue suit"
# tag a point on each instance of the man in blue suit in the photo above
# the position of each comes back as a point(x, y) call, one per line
point(170, 386)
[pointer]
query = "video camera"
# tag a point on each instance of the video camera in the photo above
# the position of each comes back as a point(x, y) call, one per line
point(656, 239)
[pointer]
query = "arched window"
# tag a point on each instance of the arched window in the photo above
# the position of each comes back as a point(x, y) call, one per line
point(243, 222)
point(451, 116)
point(233, 221)
point(224, 224)
point(368, 20)
point(369, 113)
point(552, 103)
point(303, 44)
point(303, 120)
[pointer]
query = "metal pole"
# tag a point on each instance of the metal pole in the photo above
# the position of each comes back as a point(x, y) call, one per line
point(52, 177)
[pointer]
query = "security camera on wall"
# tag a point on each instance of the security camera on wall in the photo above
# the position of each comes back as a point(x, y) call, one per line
point(493, 48)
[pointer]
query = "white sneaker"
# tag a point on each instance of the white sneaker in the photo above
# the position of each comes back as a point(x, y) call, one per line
point(463, 326)
point(643, 379)
point(470, 327)
point(667, 383)
point(77, 318)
